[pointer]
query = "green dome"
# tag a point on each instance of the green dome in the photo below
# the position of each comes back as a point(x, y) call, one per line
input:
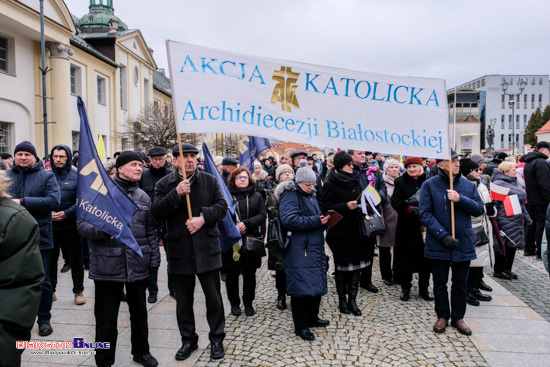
point(100, 17)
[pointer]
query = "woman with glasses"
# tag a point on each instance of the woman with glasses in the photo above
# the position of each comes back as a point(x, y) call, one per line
point(251, 212)
point(283, 173)
point(409, 243)
point(305, 259)
point(471, 170)
point(351, 253)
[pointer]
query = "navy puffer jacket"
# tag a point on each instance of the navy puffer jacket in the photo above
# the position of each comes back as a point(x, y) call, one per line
point(40, 193)
point(66, 177)
point(305, 260)
point(513, 226)
point(112, 260)
point(435, 215)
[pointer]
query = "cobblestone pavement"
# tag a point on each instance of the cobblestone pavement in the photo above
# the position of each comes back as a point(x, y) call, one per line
point(532, 285)
point(390, 332)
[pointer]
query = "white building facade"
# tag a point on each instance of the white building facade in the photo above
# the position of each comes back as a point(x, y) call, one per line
point(509, 113)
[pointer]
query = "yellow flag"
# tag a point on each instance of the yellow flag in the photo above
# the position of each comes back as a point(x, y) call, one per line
point(101, 148)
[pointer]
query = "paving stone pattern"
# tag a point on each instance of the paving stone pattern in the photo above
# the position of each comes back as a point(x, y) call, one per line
point(532, 285)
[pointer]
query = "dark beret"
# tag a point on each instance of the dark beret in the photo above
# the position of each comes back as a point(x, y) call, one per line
point(298, 152)
point(185, 148)
point(228, 161)
point(156, 151)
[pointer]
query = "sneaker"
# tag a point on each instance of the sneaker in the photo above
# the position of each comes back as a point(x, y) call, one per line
point(54, 297)
point(146, 360)
point(66, 267)
point(79, 299)
point(45, 329)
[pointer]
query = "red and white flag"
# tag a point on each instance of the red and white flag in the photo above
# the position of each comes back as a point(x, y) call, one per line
point(512, 205)
point(499, 193)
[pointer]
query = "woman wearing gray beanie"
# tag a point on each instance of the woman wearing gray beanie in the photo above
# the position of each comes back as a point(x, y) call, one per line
point(305, 259)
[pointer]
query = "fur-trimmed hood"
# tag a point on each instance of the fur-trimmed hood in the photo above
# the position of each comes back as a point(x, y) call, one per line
point(284, 186)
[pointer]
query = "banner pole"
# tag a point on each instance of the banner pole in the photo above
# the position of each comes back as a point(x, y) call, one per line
point(181, 166)
point(452, 202)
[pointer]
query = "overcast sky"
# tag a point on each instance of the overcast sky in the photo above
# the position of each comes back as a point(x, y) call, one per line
point(456, 41)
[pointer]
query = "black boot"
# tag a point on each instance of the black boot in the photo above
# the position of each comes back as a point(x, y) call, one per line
point(471, 298)
point(281, 302)
point(340, 279)
point(480, 296)
point(353, 286)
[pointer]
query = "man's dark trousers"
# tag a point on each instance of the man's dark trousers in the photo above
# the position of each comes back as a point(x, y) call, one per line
point(107, 303)
point(459, 280)
point(45, 307)
point(68, 240)
point(533, 236)
point(185, 287)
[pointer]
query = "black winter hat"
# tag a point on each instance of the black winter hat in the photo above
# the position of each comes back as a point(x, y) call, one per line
point(341, 159)
point(228, 161)
point(156, 151)
point(467, 166)
point(185, 148)
point(127, 156)
point(25, 146)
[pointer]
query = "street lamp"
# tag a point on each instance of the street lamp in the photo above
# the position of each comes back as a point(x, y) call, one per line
point(521, 86)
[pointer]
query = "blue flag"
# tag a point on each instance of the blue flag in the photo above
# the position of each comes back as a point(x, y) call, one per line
point(250, 147)
point(229, 233)
point(100, 202)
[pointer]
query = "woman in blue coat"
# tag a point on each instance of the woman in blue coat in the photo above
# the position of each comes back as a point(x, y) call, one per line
point(305, 260)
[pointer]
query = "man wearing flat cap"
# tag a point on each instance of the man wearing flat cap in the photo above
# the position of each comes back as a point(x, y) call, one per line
point(157, 170)
point(114, 266)
point(537, 186)
point(441, 248)
point(228, 165)
point(192, 245)
point(38, 191)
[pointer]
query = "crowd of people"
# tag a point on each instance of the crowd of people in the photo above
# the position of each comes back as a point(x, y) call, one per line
point(316, 201)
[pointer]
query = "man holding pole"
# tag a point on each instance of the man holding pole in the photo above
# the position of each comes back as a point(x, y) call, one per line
point(192, 245)
point(444, 206)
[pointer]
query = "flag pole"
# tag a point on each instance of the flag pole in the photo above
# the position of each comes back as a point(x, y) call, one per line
point(452, 202)
point(180, 164)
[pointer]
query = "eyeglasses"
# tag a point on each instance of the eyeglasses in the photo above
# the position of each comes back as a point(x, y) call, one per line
point(350, 164)
point(59, 156)
point(241, 178)
point(478, 170)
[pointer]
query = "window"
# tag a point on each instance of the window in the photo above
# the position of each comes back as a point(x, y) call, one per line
point(478, 83)
point(525, 101)
point(156, 108)
point(124, 88)
point(124, 144)
point(482, 82)
point(502, 100)
point(101, 91)
point(3, 54)
point(502, 124)
point(76, 80)
point(532, 101)
point(540, 100)
point(75, 140)
point(510, 100)
point(5, 146)
point(540, 81)
point(533, 81)
point(502, 140)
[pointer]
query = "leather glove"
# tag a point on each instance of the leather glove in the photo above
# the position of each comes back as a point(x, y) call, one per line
point(449, 242)
point(415, 213)
point(490, 208)
point(153, 270)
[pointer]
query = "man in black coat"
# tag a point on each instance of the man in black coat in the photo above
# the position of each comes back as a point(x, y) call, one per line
point(65, 234)
point(537, 186)
point(157, 170)
point(192, 245)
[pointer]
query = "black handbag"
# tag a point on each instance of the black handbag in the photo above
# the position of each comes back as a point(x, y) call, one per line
point(370, 224)
point(254, 246)
point(481, 236)
point(276, 237)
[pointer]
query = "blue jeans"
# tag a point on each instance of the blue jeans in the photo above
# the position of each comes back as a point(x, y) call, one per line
point(440, 274)
point(44, 314)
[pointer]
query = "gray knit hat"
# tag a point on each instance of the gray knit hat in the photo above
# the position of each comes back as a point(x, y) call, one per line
point(304, 173)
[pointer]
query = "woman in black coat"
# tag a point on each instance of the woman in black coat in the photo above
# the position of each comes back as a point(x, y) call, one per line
point(350, 252)
point(409, 244)
point(251, 211)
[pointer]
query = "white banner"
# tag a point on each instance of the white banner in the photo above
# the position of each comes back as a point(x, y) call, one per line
point(215, 91)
